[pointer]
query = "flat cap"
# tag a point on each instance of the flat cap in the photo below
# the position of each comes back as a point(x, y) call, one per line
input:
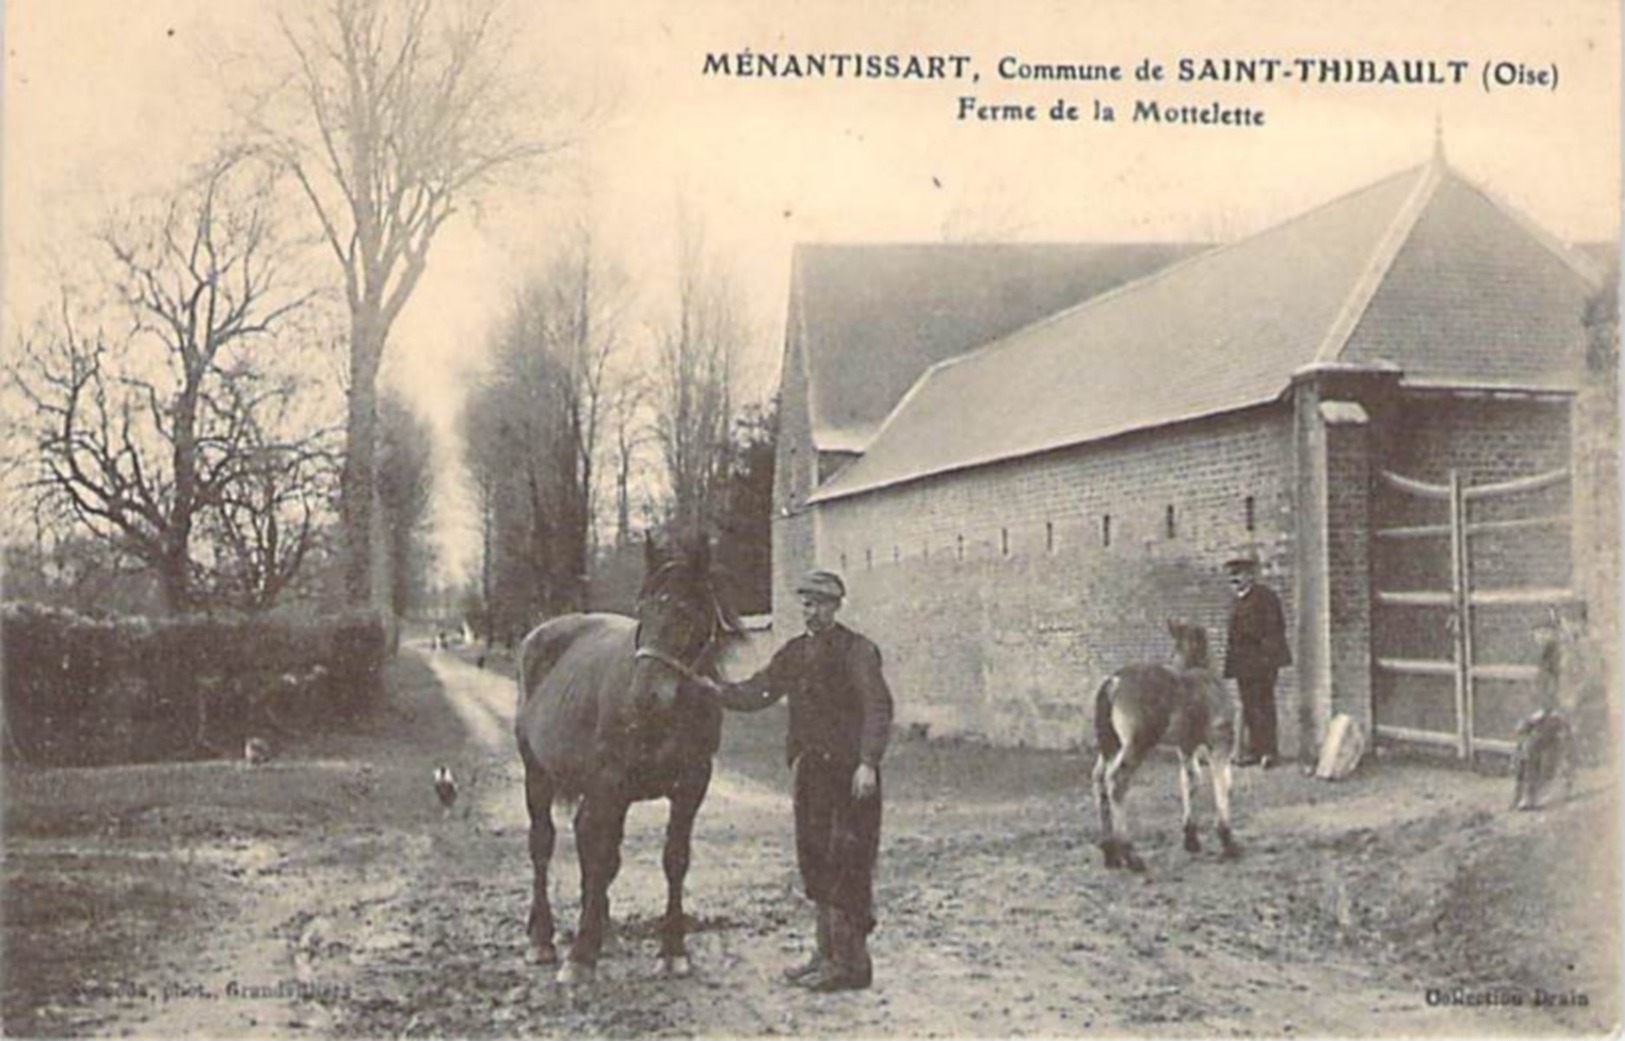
point(822, 583)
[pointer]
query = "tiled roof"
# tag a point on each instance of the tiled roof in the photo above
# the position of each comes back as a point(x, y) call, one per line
point(1420, 269)
point(1602, 255)
point(872, 318)
point(1476, 295)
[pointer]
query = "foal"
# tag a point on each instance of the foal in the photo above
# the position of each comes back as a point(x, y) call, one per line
point(1186, 706)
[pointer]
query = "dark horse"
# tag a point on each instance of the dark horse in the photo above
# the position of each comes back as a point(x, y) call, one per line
point(609, 714)
point(1187, 706)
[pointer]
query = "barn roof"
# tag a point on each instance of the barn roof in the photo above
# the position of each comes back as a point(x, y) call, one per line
point(1420, 269)
point(869, 319)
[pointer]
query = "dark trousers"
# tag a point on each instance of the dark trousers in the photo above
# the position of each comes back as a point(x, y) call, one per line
point(837, 836)
point(1257, 692)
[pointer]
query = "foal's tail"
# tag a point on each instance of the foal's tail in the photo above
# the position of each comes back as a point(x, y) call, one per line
point(1106, 738)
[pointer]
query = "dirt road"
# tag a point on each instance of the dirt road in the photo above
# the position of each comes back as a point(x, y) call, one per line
point(325, 894)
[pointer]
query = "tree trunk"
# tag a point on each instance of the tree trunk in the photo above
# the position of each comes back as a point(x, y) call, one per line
point(357, 480)
point(175, 580)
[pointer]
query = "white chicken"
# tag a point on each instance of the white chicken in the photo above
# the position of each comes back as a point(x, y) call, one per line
point(445, 787)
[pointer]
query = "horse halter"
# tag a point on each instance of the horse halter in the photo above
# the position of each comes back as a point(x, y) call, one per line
point(684, 669)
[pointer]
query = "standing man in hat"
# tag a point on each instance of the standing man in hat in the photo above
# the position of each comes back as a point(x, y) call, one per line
point(840, 720)
point(1255, 650)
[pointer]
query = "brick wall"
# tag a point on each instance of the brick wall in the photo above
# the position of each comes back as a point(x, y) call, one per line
point(1348, 570)
point(1485, 440)
point(1000, 606)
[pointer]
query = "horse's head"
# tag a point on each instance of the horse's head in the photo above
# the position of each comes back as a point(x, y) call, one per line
point(683, 619)
point(1190, 644)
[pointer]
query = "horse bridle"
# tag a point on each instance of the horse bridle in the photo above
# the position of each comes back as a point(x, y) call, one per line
point(654, 654)
point(684, 669)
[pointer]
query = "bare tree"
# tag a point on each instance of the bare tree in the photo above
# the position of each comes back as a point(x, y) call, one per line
point(409, 112)
point(694, 377)
point(269, 525)
point(579, 308)
point(627, 421)
point(539, 421)
point(405, 493)
point(498, 435)
point(139, 434)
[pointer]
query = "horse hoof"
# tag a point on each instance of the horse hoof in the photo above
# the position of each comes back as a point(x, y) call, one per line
point(573, 972)
point(1132, 861)
point(676, 967)
point(1231, 851)
point(1193, 844)
point(543, 954)
point(1113, 854)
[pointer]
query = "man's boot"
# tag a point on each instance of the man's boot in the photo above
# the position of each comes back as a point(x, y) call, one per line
point(849, 967)
point(821, 954)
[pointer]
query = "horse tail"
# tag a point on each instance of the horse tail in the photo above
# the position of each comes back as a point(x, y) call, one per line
point(1106, 738)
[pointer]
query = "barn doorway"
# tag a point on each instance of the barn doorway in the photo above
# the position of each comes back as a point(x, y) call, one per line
point(1463, 574)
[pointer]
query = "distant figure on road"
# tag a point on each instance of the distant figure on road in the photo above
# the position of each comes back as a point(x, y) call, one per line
point(840, 720)
point(1255, 650)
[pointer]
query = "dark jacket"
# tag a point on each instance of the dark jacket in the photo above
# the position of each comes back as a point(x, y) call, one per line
point(1256, 642)
point(840, 705)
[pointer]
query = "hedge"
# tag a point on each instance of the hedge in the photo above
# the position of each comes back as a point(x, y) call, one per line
point(81, 691)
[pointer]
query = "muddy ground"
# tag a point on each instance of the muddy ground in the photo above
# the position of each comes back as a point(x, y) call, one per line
point(326, 894)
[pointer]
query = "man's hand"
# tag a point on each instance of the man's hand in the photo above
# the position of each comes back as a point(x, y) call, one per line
point(863, 781)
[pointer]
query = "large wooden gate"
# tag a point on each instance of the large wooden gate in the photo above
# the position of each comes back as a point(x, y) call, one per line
point(1456, 603)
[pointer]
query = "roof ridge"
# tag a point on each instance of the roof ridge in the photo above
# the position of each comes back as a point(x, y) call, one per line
point(1011, 337)
point(1364, 290)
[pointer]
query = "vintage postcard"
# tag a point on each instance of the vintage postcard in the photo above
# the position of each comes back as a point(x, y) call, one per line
point(974, 519)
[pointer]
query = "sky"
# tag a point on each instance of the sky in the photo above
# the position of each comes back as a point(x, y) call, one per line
point(105, 100)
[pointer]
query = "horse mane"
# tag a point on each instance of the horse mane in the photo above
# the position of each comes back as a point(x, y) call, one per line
point(1190, 645)
point(681, 577)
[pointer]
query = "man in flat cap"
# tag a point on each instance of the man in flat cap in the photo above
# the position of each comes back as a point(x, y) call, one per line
point(840, 720)
point(1255, 651)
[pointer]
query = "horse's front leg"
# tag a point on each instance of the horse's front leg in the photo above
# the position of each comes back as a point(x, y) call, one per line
point(539, 803)
point(1187, 777)
point(1223, 777)
point(685, 806)
point(599, 825)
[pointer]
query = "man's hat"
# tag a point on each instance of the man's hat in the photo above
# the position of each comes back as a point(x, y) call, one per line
point(1242, 560)
point(822, 583)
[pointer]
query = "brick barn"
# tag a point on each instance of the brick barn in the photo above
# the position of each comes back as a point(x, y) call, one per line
point(1024, 461)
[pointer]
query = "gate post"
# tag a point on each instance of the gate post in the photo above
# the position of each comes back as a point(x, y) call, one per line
point(1335, 407)
point(1461, 617)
